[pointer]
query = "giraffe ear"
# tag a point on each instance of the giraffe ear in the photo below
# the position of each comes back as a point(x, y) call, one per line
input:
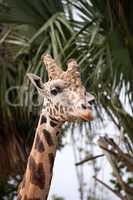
point(36, 81)
point(90, 97)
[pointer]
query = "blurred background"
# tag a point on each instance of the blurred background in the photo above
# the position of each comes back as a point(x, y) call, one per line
point(94, 160)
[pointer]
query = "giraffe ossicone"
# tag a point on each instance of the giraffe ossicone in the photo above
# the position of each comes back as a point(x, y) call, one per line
point(65, 99)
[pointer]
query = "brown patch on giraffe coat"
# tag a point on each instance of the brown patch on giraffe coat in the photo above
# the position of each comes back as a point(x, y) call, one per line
point(53, 124)
point(61, 109)
point(43, 119)
point(48, 137)
point(54, 111)
point(66, 109)
point(50, 111)
point(37, 173)
point(63, 118)
point(70, 109)
point(57, 107)
point(39, 146)
point(58, 132)
point(53, 119)
point(51, 161)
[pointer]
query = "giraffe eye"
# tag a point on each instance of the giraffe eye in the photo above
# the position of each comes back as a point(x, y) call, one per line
point(54, 91)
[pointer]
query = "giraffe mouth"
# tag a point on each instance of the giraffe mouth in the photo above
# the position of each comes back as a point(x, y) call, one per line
point(87, 116)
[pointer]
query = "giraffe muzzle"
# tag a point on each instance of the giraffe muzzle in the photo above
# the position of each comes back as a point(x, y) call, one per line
point(87, 115)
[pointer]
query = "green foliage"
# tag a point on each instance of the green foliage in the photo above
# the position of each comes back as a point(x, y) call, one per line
point(22, 45)
point(8, 188)
point(34, 12)
point(105, 58)
point(54, 197)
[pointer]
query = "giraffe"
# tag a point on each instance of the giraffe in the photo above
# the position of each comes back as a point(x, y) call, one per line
point(65, 99)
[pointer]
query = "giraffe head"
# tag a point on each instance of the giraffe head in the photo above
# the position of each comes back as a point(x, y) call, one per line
point(65, 98)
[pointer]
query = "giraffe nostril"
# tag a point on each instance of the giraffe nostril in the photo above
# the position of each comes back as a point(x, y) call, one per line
point(90, 107)
point(83, 106)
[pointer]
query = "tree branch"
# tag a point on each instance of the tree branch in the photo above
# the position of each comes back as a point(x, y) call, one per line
point(108, 187)
point(88, 159)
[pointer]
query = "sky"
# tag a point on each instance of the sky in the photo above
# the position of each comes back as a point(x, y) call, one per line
point(64, 182)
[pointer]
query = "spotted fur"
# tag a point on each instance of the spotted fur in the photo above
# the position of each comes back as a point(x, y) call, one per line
point(53, 124)
point(34, 198)
point(51, 161)
point(43, 119)
point(57, 110)
point(48, 137)
point(37, 173)
point(39, 146)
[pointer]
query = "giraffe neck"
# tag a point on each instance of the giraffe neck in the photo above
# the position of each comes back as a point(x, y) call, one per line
point(36, 182)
